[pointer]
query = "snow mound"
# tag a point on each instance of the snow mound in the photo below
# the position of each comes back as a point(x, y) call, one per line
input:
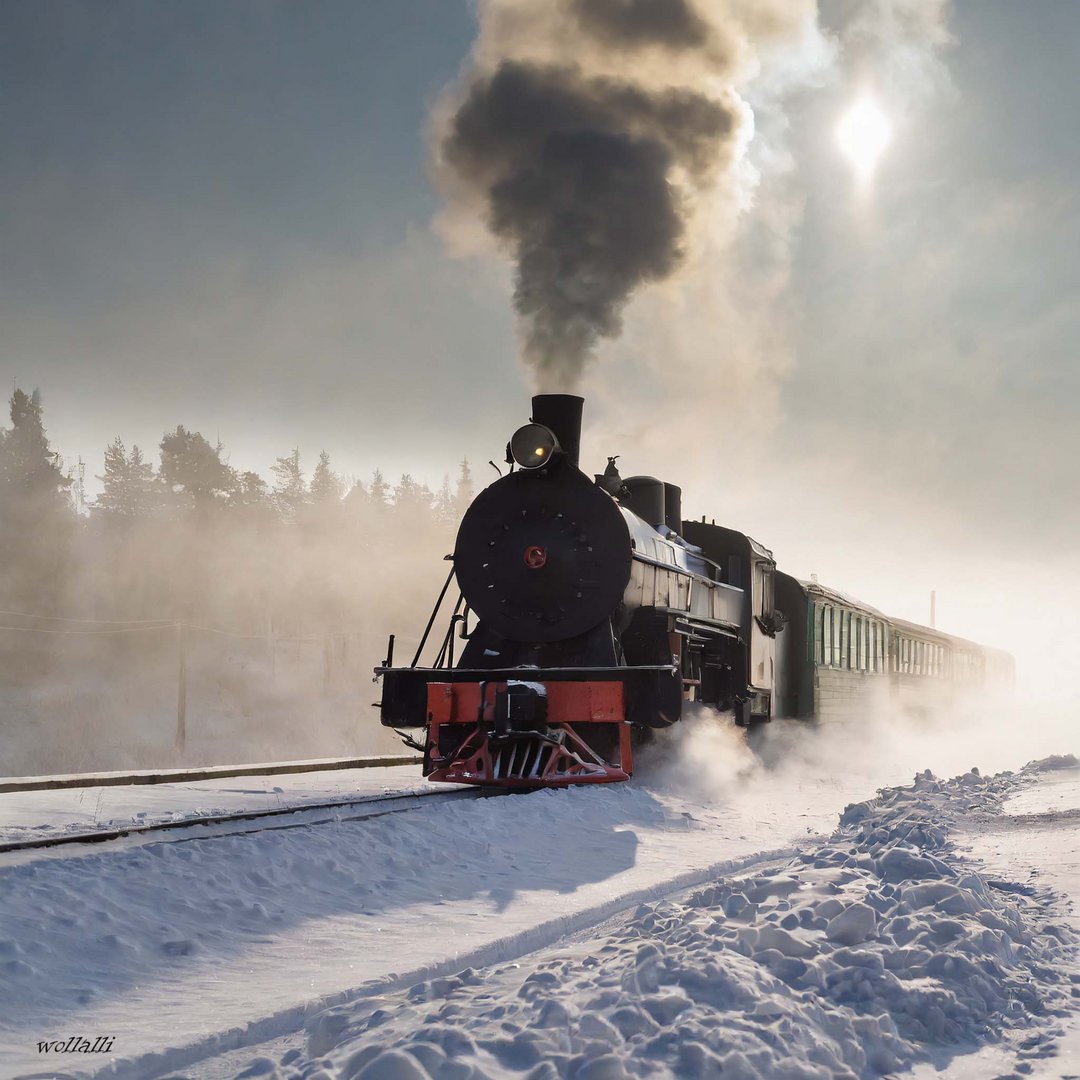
point(1053, 762)
point(855, 959)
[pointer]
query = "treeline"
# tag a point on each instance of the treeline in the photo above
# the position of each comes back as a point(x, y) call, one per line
point(195, 475)
point(190, 536)
point(261, 603)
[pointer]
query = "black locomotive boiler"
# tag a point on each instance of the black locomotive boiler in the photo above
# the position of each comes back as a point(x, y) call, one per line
point(592, 613)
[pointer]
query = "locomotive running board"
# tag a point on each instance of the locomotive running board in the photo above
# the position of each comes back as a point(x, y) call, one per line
point(651, 691)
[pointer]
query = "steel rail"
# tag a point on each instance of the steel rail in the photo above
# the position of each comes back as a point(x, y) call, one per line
point(121, 831)
point(9, 784)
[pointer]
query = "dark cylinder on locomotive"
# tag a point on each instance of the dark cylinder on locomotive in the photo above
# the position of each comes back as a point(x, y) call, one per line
point(561, 413)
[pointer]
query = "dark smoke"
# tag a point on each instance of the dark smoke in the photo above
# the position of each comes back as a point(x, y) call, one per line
point(578, 177)
point(672, 24)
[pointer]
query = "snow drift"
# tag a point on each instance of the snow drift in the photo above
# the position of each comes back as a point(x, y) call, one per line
point(857, 958)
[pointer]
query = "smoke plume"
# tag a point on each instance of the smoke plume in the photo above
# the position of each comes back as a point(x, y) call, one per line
point(588, 134)
point(578, 178)
point(610, 144)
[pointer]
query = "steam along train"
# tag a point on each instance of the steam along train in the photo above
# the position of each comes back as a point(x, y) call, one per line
point(592, 613)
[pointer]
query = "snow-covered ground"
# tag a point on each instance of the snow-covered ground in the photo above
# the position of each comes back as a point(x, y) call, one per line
point(168, 945)
point(699, 912)
point(1035, 843)
point(863, 955)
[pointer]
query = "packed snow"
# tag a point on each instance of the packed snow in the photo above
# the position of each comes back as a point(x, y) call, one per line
point(709, 914)
point(859, 957)
point(114, 938)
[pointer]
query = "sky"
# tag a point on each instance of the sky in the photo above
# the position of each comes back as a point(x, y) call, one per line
point(226, 216)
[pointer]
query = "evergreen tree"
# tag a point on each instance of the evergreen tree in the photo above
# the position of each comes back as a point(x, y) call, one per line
point(251, 487)
point(445, 507)
point(130, 488)
point(114, 497)
point(30, 471)
point(380, 491)
point(357, 503)
point(251, 494)
point(412, 500)
point(464, 495)
point(35, 516)
point(326, 486)
point(144, 490)
point(290, 492)
point(192, 469)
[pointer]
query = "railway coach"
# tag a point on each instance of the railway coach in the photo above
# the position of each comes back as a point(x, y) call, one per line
point(844, 657)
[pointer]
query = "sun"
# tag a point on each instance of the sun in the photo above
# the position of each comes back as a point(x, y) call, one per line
point(862, 134)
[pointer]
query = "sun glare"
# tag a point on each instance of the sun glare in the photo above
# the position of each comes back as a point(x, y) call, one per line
point(863, 133)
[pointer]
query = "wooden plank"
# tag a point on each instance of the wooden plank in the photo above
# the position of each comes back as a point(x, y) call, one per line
point(186, 776)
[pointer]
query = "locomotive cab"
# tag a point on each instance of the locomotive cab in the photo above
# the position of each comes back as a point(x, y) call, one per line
point(749, 566)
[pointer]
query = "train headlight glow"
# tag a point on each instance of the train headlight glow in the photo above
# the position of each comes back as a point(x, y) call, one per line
point(532, 446)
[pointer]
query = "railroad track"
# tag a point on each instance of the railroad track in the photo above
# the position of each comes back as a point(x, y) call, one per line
point(306, 815)
point(13, 784)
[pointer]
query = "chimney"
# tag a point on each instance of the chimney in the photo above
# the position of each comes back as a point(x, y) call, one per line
point(562, 414)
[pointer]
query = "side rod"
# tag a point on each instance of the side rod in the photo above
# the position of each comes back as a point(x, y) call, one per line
point(431, 621)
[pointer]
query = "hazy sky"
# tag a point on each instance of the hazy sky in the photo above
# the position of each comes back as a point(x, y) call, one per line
point(220, 214)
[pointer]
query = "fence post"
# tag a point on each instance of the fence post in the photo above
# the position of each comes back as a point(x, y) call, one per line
point(181, 688)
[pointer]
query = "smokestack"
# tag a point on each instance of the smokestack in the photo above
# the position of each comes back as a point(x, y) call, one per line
point(562, 414)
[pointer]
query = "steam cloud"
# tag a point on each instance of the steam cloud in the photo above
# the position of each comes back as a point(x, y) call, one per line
point(588, 157)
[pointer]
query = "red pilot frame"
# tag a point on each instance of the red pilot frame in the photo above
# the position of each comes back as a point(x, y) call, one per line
point(563, 733)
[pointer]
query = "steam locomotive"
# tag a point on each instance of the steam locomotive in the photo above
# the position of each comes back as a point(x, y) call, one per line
point(592, 613)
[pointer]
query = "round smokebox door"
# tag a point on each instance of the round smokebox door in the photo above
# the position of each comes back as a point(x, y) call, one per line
point(543, 557)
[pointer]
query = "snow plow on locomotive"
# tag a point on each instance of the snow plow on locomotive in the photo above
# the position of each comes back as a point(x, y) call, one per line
point(597, 613)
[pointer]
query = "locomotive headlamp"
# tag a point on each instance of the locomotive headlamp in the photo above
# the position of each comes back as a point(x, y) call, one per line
point(533, 445)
